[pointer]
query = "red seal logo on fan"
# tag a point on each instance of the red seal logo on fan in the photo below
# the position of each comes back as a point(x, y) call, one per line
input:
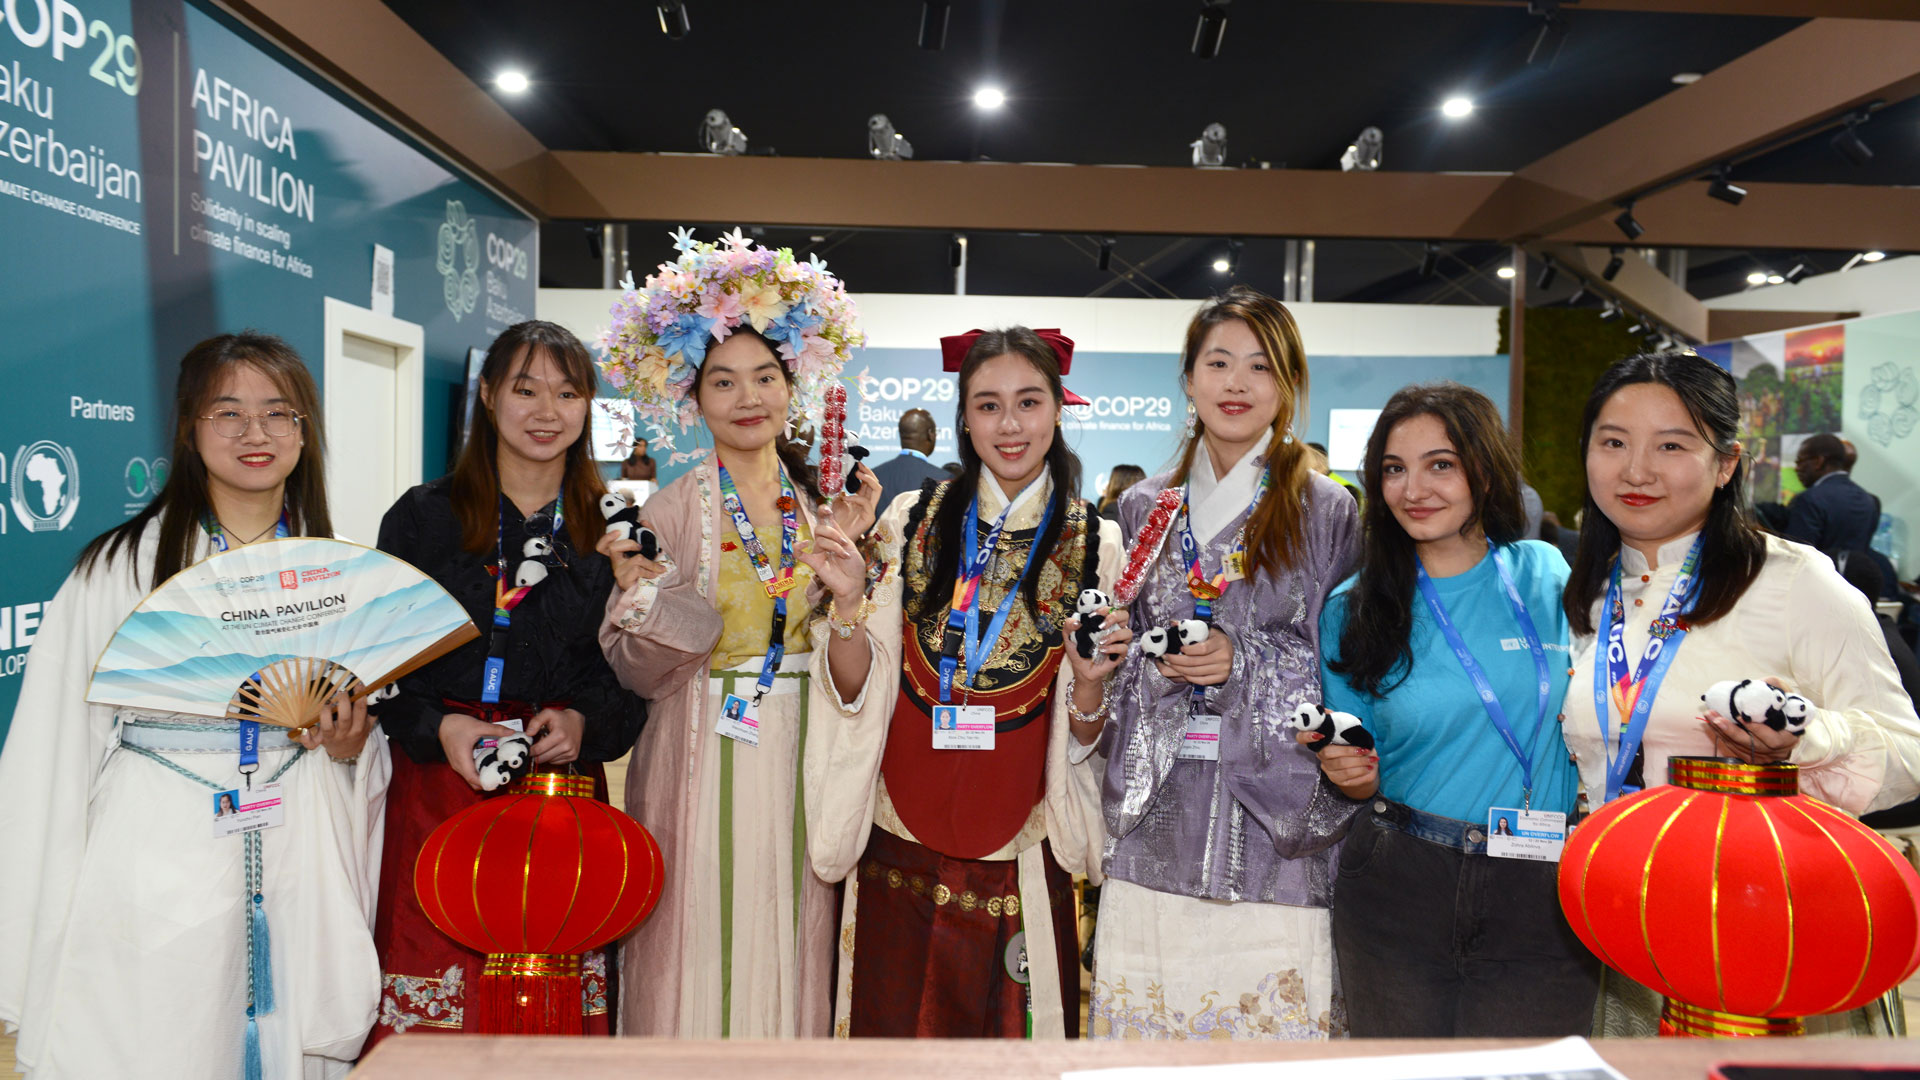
point(289, 579)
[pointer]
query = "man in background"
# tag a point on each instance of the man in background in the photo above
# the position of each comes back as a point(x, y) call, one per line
point(913, 467)
point(1833, 514)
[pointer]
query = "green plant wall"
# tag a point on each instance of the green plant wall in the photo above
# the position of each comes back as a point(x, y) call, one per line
point(1566, 350)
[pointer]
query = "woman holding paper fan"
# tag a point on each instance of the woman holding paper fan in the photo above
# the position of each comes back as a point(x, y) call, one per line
point(1222, 831)
point(945, 770)
point(714, 634)
point(134, 935)
point(510, 533)
point(1446, 921)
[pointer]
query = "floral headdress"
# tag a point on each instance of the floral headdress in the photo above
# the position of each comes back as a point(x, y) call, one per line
point(661, 331)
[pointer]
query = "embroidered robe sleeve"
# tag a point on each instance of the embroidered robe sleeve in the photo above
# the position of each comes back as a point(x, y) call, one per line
point(660, 634)
point(846, 740)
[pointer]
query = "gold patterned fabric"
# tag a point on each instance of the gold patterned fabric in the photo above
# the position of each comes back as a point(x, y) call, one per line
point(747, 608)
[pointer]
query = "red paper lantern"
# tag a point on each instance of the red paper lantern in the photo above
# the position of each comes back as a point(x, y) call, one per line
point(533, 879)
point(1747, 904)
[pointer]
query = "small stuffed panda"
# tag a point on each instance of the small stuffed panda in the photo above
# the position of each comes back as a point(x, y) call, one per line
point(1181, 636)
point(537, 547)
point(624, 518)
point(1751, 701)
point(1340, 729)
point(532, 572)
point(1091, 633)
point(854, 455)
point(504, 762)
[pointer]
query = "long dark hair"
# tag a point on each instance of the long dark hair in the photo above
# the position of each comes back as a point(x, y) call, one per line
point(185, 501)
point(793, 452)
point(1278, 524)
point(1063, 468)
point(1733, 549)
point(1118, 481)
point(474, 486)
point(1377, 641)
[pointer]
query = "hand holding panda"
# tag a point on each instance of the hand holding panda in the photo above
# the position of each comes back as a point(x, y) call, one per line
point(507, 760)
point(1754, 720)
point(1344, 745)
point(623, 520)
point(1100, 637)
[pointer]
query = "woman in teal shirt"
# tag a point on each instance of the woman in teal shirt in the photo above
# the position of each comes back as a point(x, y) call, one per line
point(1451, 645)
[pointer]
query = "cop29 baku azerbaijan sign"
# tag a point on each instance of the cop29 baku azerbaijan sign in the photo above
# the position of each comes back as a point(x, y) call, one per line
point(165, 175)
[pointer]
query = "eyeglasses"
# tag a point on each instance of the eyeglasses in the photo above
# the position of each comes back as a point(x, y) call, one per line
point(232, 423)
point(541, 526)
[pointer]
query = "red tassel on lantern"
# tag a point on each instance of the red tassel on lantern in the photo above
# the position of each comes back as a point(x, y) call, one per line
point(1746, 903)
point(534, 879)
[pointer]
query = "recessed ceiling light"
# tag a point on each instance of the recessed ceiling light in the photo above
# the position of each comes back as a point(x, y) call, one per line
point(1758, 277)
point(1776, 279)
point(1504, 273)
point(1221, 266)
point(1456, 107)
point(989, 97)
point(1685, 78)
point(1872, 256)
point(512, 82)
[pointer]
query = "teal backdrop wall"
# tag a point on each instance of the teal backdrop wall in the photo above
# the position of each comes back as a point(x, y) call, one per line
point(166, 175)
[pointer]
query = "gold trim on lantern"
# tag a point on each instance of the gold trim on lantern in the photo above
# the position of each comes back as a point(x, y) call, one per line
point(1786, 889)
point(533, 965)
point(1730, 777)
point(1646, 876)
point(1593, 852)
point(1713, 903)
point(1681, 1018)
point(1866, 905)
point(554, 783)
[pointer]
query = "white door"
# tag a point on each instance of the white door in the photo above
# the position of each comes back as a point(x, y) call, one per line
point(373, 413)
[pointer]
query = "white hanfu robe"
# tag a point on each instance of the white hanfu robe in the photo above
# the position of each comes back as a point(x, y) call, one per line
point(123, 921)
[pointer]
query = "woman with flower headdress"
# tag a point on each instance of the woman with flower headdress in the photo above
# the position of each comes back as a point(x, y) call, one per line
point(945, 782)
point(714, 634)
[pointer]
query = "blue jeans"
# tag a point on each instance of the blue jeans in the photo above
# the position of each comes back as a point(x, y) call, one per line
point(1436, 938)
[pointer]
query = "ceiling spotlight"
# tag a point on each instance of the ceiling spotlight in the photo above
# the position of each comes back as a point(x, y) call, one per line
point(957, 251)
point(1456, 108)
point(1686, 78)
point(1609, 311)
point(1872, 256)
point(933, 24)
point(1724, 189)
point(673, 20)
point(1553, 31)
point(1776, 279)
point(1364, 154)
point(1210, 149)
point(719, 136)
point(1758, 277)
point(1430, 261)
point(1212, 29)
point(1640, 325)
point(1661, 342)
point(1625, 223)
point(1505, 273)
point(884, 143)
point(989, 97)
point(1799, 271)
point(1105, 259)
point(1614, 264)
point(512, 82)
point(1579, 294)
point(1547, 275)
point(1221, 266)
point(1847, 142)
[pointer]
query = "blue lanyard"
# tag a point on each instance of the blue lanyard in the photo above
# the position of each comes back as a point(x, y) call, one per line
point(506, 597)
point(963, 617)
point(1664, 637)
point(1495, 711)
point(756, 554)
point(249, 729)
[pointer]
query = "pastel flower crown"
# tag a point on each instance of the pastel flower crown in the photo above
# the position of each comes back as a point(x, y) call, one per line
point(661, 331)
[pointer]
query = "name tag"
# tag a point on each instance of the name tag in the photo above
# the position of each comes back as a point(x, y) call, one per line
point(963, 727)
point(1513, 833)
point(739, 720)
point(1234, 566)
point(243, 811)
point(1202, 742)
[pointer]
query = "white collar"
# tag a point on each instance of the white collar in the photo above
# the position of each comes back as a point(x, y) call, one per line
point(993, 497)
point(1829, 476)
point(1672, 554)
point(1215, 503)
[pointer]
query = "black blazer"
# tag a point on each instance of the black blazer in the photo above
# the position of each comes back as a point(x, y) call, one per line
point(1833, 515)
point(904, 473)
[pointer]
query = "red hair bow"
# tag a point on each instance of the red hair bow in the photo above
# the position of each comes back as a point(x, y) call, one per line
point(954, 349)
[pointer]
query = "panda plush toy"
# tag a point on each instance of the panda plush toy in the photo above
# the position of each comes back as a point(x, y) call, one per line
point(851, 458)
point(624, 518)
point(1091, 633)
point(1173, 640)
point(505, 761)
point(1751, 701)
point(1340, 729)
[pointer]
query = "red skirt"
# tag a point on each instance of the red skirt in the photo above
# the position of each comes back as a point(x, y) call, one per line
point(934, 944)
point(425, 974)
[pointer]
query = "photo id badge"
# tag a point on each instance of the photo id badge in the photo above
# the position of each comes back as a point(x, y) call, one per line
point(1234, 566)
point(963, 727)
point(1513, 833)
point(243, 811)
point(1203, 739)
point(739, 720)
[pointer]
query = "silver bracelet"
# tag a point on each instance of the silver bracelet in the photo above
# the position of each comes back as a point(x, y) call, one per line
point(1097, 715)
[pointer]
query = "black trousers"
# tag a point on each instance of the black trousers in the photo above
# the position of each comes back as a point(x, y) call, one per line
point(1437, 938)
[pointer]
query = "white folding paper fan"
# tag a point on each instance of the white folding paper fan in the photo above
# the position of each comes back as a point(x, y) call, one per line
point(271, 631)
